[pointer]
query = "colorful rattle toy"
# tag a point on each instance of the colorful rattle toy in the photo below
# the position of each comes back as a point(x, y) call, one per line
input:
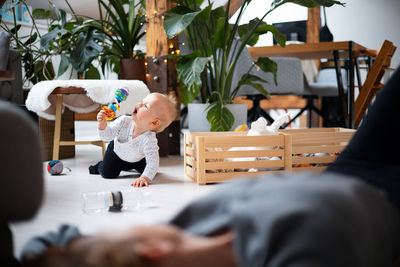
point(120, 96)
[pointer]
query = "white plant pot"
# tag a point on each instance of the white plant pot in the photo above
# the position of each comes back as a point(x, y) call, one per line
point(197, 116)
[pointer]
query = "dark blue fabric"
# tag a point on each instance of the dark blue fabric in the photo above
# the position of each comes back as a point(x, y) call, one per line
point(112, 165)
point(60, 238)
point(373, 155)
point(300, 220)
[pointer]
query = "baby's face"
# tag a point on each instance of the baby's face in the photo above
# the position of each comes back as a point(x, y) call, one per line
point(146, 110)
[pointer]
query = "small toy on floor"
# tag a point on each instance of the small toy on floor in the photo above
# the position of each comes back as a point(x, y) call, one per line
point(120, 95)
point(56, 167)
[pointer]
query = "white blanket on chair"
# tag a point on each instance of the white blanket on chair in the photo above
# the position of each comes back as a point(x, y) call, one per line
point(41, 101)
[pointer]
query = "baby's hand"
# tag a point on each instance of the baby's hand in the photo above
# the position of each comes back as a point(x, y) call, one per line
point(141, 181)
point(101, 119)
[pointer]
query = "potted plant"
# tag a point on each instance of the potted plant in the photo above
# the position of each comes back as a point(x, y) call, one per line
point(208, 71)
point(122, 29)
point(39, 49)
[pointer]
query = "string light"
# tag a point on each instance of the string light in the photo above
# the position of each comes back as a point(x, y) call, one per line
point(155, 15)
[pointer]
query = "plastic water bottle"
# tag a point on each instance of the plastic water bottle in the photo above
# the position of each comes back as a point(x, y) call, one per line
point(127, 199)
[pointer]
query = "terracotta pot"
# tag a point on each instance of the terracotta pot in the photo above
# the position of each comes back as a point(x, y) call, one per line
point(132, 69)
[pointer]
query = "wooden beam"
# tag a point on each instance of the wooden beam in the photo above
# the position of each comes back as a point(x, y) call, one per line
point(313, 25)
point(156, 39)
point(160, 77)
point(313, 28)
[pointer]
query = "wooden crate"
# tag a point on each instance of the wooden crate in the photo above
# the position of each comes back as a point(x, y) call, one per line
point(212, 157)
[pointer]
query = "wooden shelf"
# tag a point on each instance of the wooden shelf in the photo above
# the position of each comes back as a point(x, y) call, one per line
point(6, 75)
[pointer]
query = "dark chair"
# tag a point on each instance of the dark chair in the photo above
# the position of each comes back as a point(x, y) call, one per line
point(324, 86)
point(10, 60)
point(21, 183)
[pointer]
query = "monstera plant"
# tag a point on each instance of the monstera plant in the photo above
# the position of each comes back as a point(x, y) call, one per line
point(216, 44)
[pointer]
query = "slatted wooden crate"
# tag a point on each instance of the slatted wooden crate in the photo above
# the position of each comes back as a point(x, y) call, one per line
point(212, 157)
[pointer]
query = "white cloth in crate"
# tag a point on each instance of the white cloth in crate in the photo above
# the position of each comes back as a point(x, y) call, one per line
point(41, 101)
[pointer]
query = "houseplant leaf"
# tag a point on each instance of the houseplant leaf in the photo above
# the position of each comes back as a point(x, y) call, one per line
point(86, 50)
point(268, 65)
point(189, 69)
point(221, 33)
point(50, 36)
point(64, 64)
point(328, 3)
point(250, 79)
point(308, 3)
point(92, 73)
point(188, 95)
point(40, 13)
point(220, 117)
point(177, 19)
point(256, 31)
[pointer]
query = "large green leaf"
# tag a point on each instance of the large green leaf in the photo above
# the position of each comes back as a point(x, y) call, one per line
point(308, 3)
point(328, 3)
point(31, 39)
point(92, 73)
point(86, 50)
point(63, 17)
point(268, 65)
point(190, 67)
point(219, 12)
point(64, 64)
point(177, 19)
point(204, 15)
point(40, 13)
point(252, 80)
point(255, 31)
point(188, 95)
point(220, 117)
point(221, 33)
point(51, 36)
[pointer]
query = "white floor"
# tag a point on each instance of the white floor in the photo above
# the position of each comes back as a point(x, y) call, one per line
point(62, 201)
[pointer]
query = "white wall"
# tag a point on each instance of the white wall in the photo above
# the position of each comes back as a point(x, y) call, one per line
point(367, 22)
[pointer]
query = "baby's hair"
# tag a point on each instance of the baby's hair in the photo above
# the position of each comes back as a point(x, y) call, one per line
point(173, 103)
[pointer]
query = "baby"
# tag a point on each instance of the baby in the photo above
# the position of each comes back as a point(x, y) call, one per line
point(133, 139)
